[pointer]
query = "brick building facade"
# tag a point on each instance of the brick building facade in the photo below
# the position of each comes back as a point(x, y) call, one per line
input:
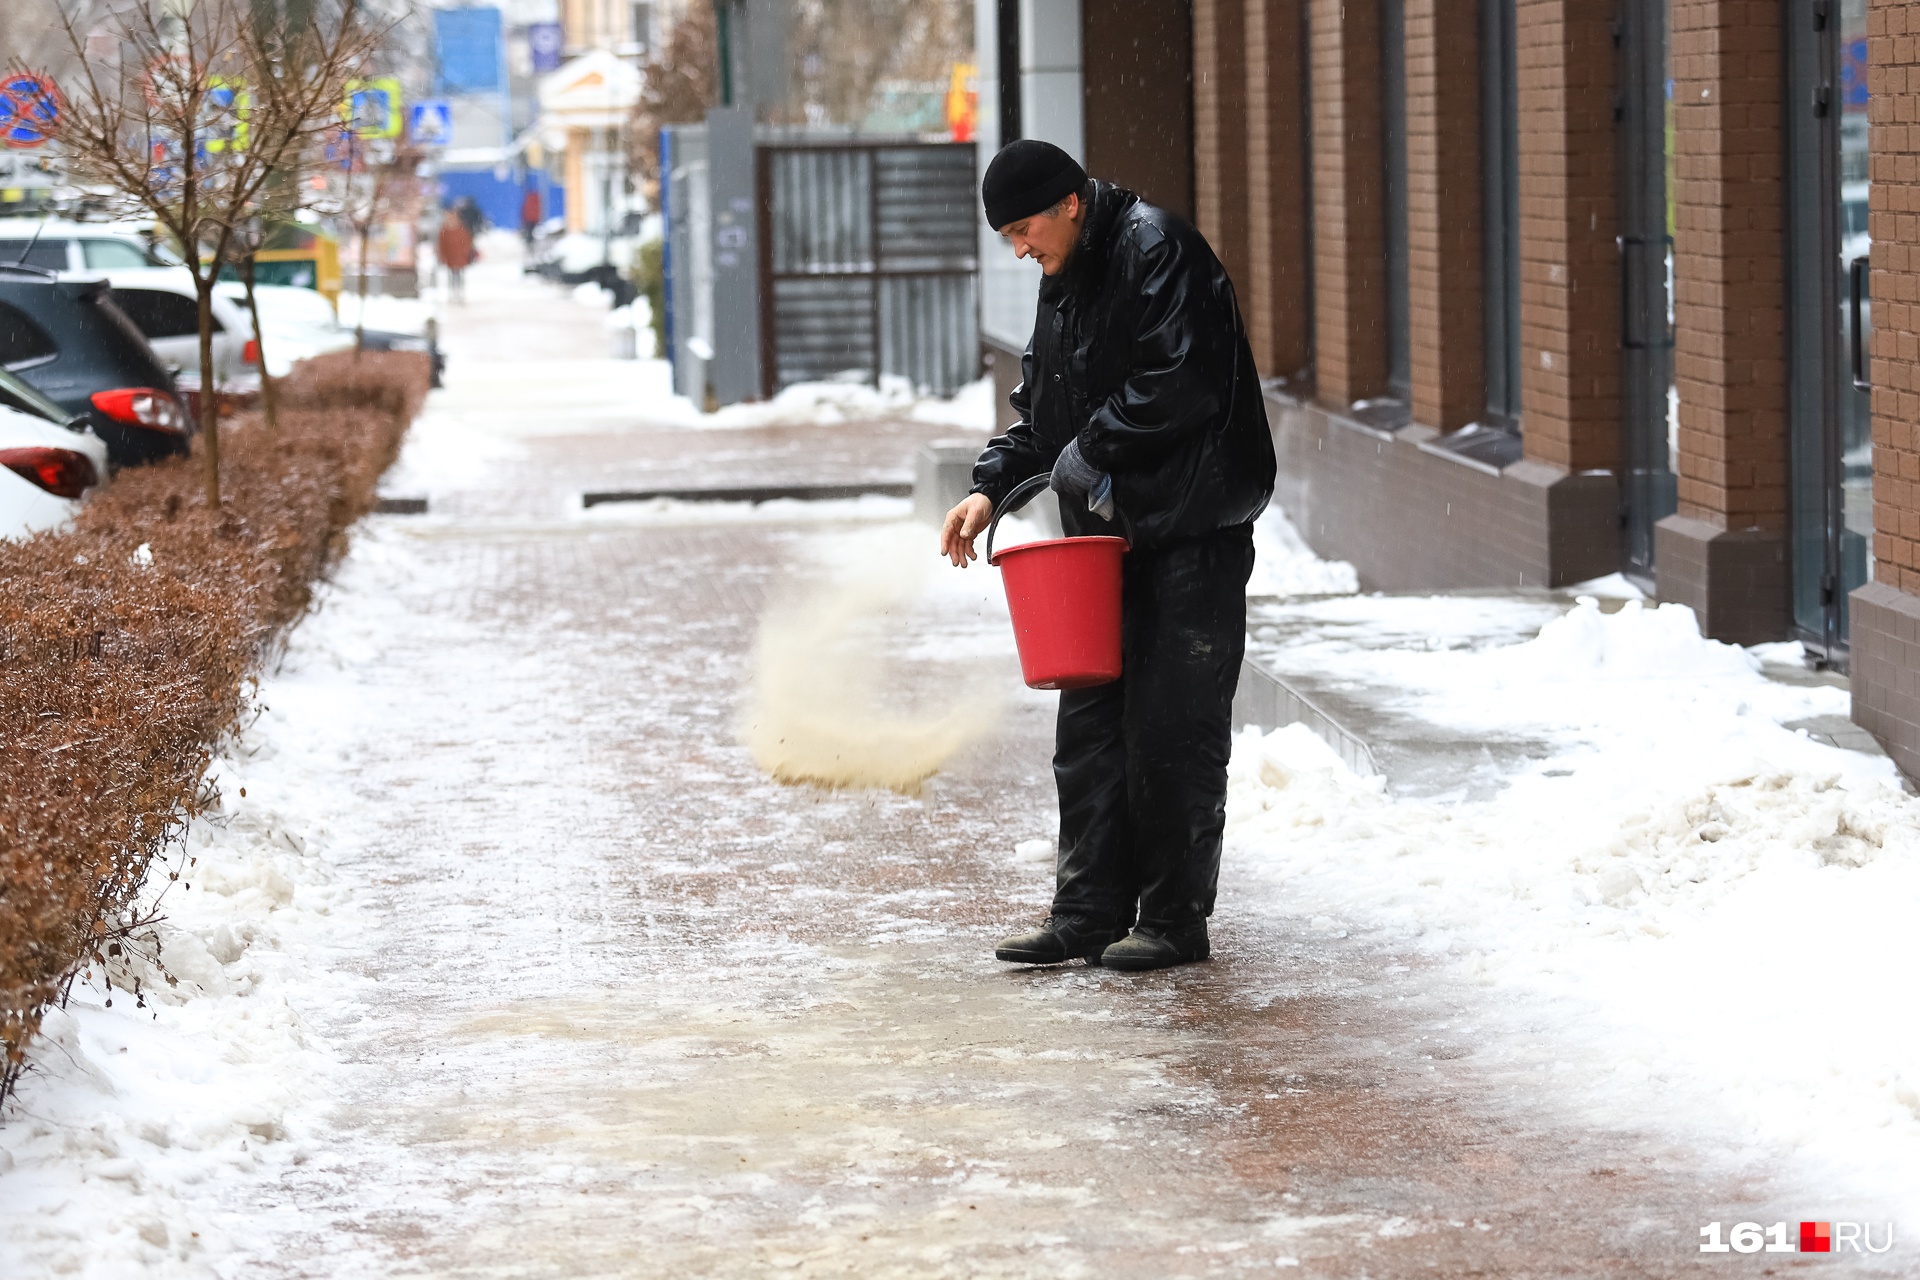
point(1543, 290)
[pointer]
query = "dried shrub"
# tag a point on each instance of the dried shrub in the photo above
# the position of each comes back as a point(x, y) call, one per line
point(122, 670)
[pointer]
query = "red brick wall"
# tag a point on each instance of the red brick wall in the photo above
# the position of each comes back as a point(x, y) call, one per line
point(1349, 315)
point(1729, 354)
point(1276, 292)
point(1137, 65)
point(1444, 283)
point(1569, 265)
point(1220, 131)
point(1893, 79)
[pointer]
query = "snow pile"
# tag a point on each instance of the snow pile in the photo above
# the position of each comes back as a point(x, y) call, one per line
point(851, 399)
point(137, 1113)
point(1635, 643)
point(1711, 913)
point(386, 313)
point(1284, 565)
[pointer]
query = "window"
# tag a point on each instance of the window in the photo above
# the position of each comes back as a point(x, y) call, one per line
point(161, 314)
point(22, 342)
point(113, 255)
point(48, 255)
point(1393, 146)
point(1500, 210)
point(16, 394)
point(643, 25)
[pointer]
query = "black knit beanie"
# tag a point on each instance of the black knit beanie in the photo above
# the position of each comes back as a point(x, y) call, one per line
point(1028, 177)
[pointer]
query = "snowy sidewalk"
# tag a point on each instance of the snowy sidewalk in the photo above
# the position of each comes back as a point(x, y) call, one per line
point(502, 958)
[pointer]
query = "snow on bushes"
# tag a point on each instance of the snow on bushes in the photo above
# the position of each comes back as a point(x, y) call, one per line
point(125, 650)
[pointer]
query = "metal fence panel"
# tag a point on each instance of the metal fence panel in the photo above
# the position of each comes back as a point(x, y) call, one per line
point(823, 327)
point(928, 330)
point(822, 211)
point(871, 250)
point(924, 204)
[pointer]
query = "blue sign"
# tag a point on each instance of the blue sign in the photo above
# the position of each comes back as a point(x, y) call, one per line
point(430, 123)
point(545, 41)
point(468, 41)
point(1853, 75)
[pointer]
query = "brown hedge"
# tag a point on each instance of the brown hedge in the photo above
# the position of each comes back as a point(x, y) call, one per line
point(119, 679)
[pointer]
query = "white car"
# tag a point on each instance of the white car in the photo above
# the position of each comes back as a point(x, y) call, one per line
point(294, 323)
point(54, 244)
point(162, 303)
point(46, 469)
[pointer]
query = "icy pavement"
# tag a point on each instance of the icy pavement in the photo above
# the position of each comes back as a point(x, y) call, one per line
point(501, 958)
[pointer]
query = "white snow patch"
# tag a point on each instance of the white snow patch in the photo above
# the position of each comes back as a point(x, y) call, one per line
point(1710, 915)
point(138, 1112)
point(868, 507)
point(1284, 565)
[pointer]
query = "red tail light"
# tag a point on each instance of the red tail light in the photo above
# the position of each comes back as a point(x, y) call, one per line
point(143, 407)
point(61, 472)
point(250, 354)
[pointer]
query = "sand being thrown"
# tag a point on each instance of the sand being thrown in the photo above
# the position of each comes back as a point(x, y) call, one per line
point(835, 702)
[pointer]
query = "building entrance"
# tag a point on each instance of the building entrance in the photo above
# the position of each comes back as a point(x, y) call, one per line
point(1830, 317)
point(1648, 490)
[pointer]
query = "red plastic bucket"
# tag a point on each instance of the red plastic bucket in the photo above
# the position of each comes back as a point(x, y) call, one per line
point(1064, 595)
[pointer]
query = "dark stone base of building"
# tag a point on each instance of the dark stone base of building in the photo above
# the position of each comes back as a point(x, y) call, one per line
point(1885, 670)
point(1411, 517)
point(1736, 581)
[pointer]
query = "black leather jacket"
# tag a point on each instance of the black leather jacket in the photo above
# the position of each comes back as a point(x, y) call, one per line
point(1138, 350)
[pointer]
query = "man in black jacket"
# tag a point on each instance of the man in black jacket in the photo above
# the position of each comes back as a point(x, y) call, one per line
point(1138, 396)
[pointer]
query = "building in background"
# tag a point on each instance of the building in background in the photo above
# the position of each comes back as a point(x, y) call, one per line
point(488, 60)
point(590, 80)
point(584, 110)
point(1542, 291)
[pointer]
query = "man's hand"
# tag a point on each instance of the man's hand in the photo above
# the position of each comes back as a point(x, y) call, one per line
point(963, 524)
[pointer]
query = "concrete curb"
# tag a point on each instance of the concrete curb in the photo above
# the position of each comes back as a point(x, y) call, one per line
point(1264, 699)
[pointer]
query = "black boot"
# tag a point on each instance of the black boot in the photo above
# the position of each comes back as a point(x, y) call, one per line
point(1060, 939)
point(1150, 948)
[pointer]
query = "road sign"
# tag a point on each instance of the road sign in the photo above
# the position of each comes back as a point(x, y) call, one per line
point(545, 41)
point(29, 106)
point(373, 107)
point(430, 123)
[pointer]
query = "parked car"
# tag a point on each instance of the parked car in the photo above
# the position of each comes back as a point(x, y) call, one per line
point(163, 305)
point(295, 323)
point(53, 244)
point(71, 342)
point(46, 465)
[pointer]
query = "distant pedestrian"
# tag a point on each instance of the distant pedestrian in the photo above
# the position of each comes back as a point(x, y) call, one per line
point(467, 209)
point(1139, 396)
point(455, 249)
point(529, 216)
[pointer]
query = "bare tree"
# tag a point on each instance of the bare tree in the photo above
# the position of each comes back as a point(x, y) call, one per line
point(199, 105)
point(680, 82)
point(843, 49)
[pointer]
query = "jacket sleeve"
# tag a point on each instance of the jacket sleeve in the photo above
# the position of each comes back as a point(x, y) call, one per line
point(1178, 367)
point(1018, 454)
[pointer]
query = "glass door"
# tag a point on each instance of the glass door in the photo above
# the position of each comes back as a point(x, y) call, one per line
point(1829, 317)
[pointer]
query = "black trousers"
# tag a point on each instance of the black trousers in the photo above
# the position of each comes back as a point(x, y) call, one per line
point(1141, 763)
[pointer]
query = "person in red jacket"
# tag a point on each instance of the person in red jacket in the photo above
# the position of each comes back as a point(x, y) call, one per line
point(455, 247)
point(529, 216)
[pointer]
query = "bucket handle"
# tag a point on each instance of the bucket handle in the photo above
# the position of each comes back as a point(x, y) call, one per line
point(1021, 495)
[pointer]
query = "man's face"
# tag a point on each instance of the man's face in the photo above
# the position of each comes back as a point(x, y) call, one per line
point(1047, 238)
